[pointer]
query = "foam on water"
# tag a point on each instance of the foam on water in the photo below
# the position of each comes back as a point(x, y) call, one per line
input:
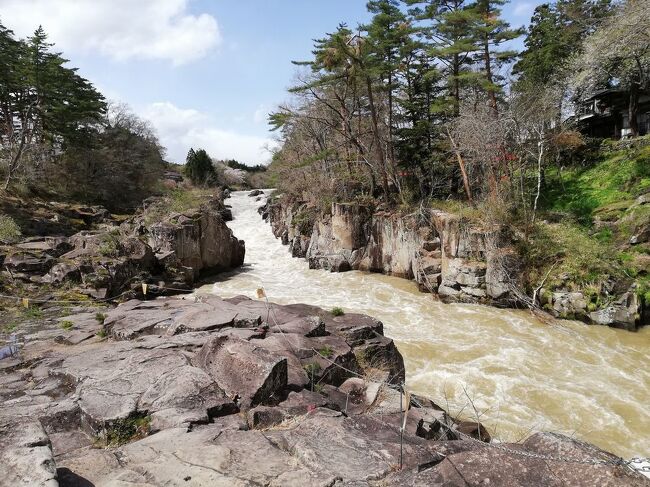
point(522, 374)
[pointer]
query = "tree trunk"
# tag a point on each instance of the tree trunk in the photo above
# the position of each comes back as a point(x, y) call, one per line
point(456, 93)
point(540, 177)
point(463, 171)
point(492, 96)
point(375, 127)
point(633, 109)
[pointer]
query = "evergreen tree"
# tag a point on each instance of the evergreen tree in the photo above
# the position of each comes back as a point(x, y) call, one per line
point(388, 37)
point(199, 168)
point(45, 106)
point(447, 27)
point(489, 31)
point(555, 34)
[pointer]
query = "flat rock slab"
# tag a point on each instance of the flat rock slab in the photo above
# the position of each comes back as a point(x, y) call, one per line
point(26, 455)
point(177, 316)
point(244, 393)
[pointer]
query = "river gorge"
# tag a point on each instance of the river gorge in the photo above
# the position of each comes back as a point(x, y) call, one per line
point(521, 374)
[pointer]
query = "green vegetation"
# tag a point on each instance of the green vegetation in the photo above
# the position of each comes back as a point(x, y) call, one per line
point(326, 351)
point(110, 245)
point(100, 317)
point(304, 220)
point(312, 369)
point(125, 431)
point(8, 327)
point(199, 168)
point(66, 325)
point(102, 333)
point(32, 312)
point(9, 229)
point(336, 311)
point(177, 200)
point(61, 138)
point(606, 186)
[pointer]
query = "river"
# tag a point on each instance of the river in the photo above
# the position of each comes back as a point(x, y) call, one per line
point(521, 374)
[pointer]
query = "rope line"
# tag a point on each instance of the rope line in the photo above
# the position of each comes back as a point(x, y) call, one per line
point(618, 461)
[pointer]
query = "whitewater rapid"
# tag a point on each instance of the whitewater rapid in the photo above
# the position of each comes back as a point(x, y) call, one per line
point(522, 375)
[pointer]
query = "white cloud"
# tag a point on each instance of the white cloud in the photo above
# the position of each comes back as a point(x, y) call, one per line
point(179, 129)
point(120, 29)
point(261, 114)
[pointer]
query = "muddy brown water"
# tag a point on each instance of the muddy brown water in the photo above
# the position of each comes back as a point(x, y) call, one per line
point(521, 375)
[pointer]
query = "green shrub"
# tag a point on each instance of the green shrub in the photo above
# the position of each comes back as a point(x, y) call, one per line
point(100, 317)
point(9, 229)
point(33, 312)
point(127, 430)
point(66, 325)
point(312, 369)
point(326, 351)
point(304, 221)
point(110, 245)
point(336, 311)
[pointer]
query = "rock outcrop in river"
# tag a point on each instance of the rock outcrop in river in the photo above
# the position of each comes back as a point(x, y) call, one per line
point(237, 392)
point(447, 255)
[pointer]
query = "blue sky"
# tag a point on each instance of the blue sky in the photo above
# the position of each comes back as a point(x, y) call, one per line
point(204, 72)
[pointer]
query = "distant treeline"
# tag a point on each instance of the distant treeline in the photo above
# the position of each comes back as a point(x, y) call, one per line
point(60, 138)
point(232, 163)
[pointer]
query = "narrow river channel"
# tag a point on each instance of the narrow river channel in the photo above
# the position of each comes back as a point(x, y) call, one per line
point(521, 374)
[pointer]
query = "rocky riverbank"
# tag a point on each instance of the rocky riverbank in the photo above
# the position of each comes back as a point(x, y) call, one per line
point(212, 391)
point(444, 253)
point(159, 246)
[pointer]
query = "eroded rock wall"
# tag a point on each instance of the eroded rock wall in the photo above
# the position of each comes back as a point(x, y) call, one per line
point(444, 253)
point(440, 251)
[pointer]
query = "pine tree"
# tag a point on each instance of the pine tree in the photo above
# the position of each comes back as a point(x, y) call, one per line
point(388, 36)
point(447, 28)
point(199, 168)
point(489, 31)
point(555, 35)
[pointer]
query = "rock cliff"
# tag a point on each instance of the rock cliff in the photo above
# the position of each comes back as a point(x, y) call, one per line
point(236, 392)
point(166, 249)
point(445, 254)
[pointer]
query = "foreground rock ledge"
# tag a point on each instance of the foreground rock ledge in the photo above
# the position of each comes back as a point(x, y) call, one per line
point(235, 392)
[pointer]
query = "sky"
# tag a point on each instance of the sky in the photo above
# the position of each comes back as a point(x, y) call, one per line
point(205, 73)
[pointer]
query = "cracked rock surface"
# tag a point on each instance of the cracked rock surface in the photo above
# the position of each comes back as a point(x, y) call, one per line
point(234, 392)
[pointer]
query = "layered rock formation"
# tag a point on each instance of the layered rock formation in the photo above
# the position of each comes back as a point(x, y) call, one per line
point(237, 392)
point(445, 254)
point(173, 250)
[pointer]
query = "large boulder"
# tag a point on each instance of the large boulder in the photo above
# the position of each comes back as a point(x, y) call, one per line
point(251, 375)
point(200, 240)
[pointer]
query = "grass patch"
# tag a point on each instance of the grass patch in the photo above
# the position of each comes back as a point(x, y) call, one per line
point(178, 200)
point(336, 311)
point(9, 327)
point(312, 369)
point(32, 312)
point(102, 333)
point(575, 256)
point(326, 351)
point(618, 176)
point(462, 209)
point(66, 325)
point(100, 317)
point(126, 431)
